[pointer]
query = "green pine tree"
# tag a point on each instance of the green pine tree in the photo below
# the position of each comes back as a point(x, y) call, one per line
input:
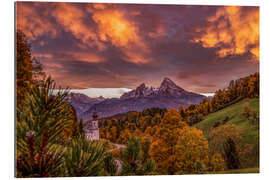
point(132, 160)
point(231, 155)
point(84, 158)
point(40, 125)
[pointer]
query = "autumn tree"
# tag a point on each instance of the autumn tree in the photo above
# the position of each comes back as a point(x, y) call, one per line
point(162, 150)
point(177, 148)
point(23, 67)
point(124, 136)
point(191, 149)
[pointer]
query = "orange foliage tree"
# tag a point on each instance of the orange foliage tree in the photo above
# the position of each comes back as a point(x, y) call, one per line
point(176, 145)
point(191, 149)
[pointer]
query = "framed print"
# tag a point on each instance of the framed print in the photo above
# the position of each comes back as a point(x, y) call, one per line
point(110, 89)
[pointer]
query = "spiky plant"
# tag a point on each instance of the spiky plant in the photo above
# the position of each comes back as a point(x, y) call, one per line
point(40, 125)
point(133, 161)
point(149, 166)
point(110, 164)
point(84, 158)
point(131, 157)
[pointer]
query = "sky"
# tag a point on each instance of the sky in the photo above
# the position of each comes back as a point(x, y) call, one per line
point(90, 45)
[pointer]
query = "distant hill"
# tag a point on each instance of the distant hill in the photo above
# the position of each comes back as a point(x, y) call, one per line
point(235, 116)
point(81, 102)
point(168, 95)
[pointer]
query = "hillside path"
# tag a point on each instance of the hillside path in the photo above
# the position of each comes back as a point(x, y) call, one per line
point(117, 160)
point(118, 146)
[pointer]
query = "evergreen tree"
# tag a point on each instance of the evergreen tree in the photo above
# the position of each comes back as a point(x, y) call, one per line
point(145, 146)
point(132, 162)
point(81, 131)
point(131, 157)
point(40, 125)
point(84, 158)
point(231, 155)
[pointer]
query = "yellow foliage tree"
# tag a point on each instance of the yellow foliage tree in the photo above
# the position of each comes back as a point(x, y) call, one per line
point(191, 148)
point(178, 147)
point(172, 119)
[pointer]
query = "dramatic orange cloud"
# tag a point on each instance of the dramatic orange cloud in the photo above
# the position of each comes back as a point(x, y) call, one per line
point(106, 23)
point(71, 17)
point(233, 31)
point(115, 28)
point(31, 23)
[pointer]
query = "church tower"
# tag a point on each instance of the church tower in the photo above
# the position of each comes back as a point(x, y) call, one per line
point(91, 128)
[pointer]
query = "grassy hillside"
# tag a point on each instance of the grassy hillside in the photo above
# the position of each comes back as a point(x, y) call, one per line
point(235, 113)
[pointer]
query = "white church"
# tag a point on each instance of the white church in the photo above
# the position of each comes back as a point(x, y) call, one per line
point(91, 128)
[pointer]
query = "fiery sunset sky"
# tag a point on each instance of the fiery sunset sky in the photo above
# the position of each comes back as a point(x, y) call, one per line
point(86, 45)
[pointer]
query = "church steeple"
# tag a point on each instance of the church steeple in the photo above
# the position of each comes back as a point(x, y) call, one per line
point(92, 130)
point(95, 116)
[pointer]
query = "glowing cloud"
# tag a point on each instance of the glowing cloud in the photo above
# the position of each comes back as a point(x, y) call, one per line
point(232, 31)
point(115, 28)
point(71, 17)
point(31, 22)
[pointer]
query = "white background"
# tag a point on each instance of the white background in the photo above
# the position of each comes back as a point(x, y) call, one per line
point(7, 88)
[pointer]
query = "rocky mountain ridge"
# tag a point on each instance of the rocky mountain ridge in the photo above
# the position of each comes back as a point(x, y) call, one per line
point(168, 95)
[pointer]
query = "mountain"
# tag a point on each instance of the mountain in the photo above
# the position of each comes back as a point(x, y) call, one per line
point(167, 88)
point(168, 95)
point(82, 103)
